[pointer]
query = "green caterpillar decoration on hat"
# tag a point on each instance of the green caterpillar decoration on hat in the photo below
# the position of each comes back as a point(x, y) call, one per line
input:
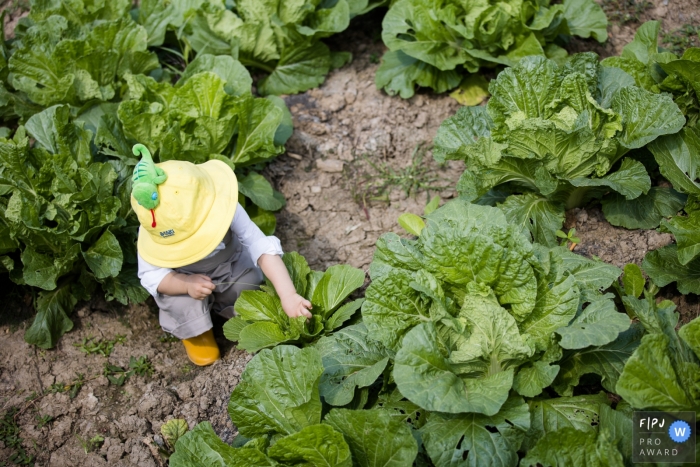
point(146, 179)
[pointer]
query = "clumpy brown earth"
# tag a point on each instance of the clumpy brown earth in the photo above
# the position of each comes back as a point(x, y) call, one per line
point(346, 175)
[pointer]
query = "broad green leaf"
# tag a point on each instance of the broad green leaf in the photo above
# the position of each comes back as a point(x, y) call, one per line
point(262, 334)
point(258, 189)
point(551, 415)
point(572, 448)
point(591, 275)
point(51, 321)
point(645, 116)
point(351, 360)
point(691, 335)
point(258, 121)
point(278, 392)
point(633, 281)
point(644, 212)
point(401, 74)
point(686, 231)
point(678, 157)
point(300, 68)
point(233, 327)
point(105, 256)
point(298, 270)
point(586, 19)
point(606, 361)
point(664, 267)
point(610, 81)
point(201, 447)
point(649, 380)
point(234, 74)
point(411, 223)
point(538, 214)
point(532, 379)
point(598, 324)
point(334, 287)
point(43, 271)
point(343, 314)
point(376, 439)
point(314, 445)
point(474, 440)
point(631, 180)
point(254, 305)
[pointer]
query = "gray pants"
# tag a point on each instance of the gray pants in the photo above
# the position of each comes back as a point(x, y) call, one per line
point(186, 317)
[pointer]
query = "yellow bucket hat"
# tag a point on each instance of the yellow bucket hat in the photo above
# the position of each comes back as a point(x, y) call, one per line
point(184, 209)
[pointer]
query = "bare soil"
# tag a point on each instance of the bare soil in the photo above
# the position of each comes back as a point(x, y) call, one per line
point(352, 147)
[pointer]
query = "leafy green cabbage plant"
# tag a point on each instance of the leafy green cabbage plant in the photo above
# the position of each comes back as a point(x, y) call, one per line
point(279, 38)
point(63, 227)
point(261, 322)
point(278, 412)
point(483, 323)
point(553, 137)
point(73, 53)
point(432, 43)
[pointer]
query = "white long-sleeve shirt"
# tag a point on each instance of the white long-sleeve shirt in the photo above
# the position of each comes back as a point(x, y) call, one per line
point(249, 234)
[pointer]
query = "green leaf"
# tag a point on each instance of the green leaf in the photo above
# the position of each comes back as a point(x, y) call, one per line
point(686, 231)
point(606, 361)
point(472, 90)
point(258, 189)
point(633, 281)
point(572, 448)
point(411, 223)
point(343, 314)
point(376, 439)
point(690, 335)
point(531, 380)
point(586, 19)
point(234, 74)
point(473, 439)
point(592, 276)
point(401, 74)
point(351, 360)
point(258, 121)
point(649, 380)
point(678, 157)
point(645, 116)
point(580, 413)
point(539, 215)
point(105, 257)
point(51, 321)
point(201, 447)
point(432, 205)
point(664, 267)
point(644, 212)
point(598, 324)
point(298, 270)
point(278, 392)
point(337, 283)
point(260, 335)
point(631, 180)
point(313, 445)
point(300, 68)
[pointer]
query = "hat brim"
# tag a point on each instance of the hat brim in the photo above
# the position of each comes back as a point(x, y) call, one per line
point(202, 242)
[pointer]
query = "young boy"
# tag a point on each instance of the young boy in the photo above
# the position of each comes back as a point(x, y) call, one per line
point(198, 249)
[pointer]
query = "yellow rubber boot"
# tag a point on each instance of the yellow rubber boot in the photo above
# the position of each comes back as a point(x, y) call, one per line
point(202, 350)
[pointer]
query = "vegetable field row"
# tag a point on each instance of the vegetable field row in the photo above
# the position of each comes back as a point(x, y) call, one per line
point(481, 338)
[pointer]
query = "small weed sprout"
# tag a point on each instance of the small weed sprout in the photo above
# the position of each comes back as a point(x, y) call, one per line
point(103, 347)
point(92, 444)
point(682, 38)
point(625, 11)
point(569, 237)
point(42, 420)
point(10, 437)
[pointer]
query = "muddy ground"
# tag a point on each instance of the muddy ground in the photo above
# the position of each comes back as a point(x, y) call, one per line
point(338, 205)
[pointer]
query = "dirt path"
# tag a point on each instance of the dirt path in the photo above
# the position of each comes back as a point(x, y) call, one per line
point(332, 216)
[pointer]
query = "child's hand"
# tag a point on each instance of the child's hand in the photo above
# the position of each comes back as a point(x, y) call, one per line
point(295, 305)
point(199, 286)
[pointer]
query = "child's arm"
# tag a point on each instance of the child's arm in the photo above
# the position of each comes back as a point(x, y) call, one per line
point(293, 304)
point(197, 286)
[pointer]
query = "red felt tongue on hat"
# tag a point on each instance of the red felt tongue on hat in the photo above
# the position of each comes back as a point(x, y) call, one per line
point(153, 214)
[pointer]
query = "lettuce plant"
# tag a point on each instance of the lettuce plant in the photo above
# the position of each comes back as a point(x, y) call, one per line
point(281, 39)
point(278, 412)
point(552, 137)
point(75, 54)
point(261, 321)
point(63, 227)
point(433, 42)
